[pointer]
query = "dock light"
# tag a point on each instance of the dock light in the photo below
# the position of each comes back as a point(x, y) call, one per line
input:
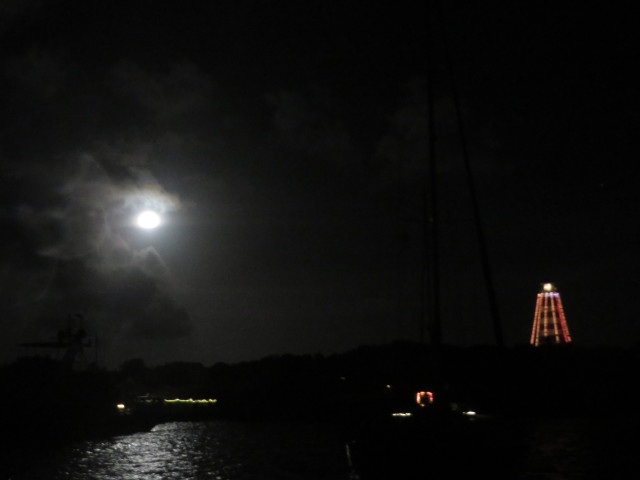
point(401, 414)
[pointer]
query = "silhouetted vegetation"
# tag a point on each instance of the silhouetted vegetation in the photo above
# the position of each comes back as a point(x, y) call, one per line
point(521, 381)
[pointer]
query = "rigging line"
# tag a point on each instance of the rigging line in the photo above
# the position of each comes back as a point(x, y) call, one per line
point(484, 256)
point(431, 276)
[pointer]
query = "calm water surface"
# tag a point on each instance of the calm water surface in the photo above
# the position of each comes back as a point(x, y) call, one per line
point(216, 450)
point(558, 449)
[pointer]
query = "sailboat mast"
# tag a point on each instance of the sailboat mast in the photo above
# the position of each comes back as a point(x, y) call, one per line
point(484, 255)
point(431, 283)
point(430, 199)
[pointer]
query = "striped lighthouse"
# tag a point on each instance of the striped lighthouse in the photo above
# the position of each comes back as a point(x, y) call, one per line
point(549, 322)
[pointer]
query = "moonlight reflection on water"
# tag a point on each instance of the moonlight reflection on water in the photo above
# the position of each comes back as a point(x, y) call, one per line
point(557, 449)
point(202, 450)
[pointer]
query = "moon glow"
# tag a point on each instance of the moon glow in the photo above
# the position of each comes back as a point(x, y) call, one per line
point(148, 220)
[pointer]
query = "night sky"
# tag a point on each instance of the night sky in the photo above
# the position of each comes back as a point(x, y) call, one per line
point(285, 146)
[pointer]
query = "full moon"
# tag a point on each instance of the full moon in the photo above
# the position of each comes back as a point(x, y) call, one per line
point(148, 219)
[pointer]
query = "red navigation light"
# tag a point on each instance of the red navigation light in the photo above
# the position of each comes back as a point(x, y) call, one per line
point(424, 398)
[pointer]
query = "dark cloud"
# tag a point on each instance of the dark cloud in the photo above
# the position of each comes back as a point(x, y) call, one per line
point(77, 166)
point(179, 93)
point(286, 147)
point(85, 262)
point(40, 71)
point(67, 218)
point(13, 12)
point(263, 183)
point(311, 126)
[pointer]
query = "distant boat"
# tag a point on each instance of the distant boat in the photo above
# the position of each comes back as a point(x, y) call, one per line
point(439, 440)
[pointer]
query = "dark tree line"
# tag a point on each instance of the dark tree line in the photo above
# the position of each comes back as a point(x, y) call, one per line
point(520, 381)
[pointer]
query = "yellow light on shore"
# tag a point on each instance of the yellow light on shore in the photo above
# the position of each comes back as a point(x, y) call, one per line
point(191, 400)
point(120, 406)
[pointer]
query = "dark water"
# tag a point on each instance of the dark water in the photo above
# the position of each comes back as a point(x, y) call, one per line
point(578, 448)
point(216, 450)
point(556, 449)
point(606, 448)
